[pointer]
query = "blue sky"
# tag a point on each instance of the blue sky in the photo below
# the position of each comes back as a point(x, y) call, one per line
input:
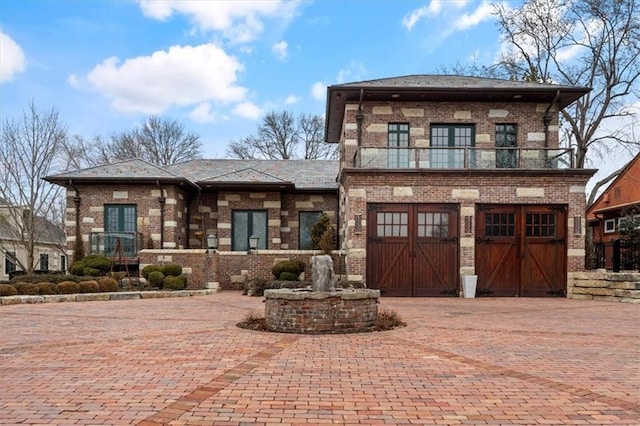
point(218, 66)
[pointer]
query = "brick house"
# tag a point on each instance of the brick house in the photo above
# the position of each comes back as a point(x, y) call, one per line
point(620, 200)
point(438, 177)
point(445, 176)
point(166, 214)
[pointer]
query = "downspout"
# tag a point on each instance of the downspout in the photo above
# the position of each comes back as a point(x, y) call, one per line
point(198, 196)
point(76, 202)
point(162, 200)
point(359, 119)
point(546, 119)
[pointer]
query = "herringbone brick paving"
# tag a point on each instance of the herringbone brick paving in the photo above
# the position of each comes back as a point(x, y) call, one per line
point(182, 361)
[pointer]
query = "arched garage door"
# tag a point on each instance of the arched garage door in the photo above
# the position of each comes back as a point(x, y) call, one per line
point(412, 249)
point(521, 250)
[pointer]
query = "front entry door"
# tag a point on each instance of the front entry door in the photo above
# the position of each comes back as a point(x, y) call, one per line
point(412, 249)
point(521, 250)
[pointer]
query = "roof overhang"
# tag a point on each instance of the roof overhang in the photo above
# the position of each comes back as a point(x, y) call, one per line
point(65, 181)
point(338, 96)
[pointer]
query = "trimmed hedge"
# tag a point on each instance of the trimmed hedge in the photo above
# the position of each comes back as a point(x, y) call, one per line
point(8, 290)
point(171, 282)
point(288, 276)
point(156, 278)
point(90, 286)
point(77, 268)
point(149, 269)
point(91, 272)
point(99, 262)
point(68, 287)
point(45, 288)
point(27, 289)
point(171, 269)
point(289, 266)
point(108, 285)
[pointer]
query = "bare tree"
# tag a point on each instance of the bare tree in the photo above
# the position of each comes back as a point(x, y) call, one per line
point(281, 136)
point(29, 150)
point(592, 43)
point(160, 141)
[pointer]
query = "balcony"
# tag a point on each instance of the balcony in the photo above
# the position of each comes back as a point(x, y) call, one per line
point(106, 243)
point(464, 158)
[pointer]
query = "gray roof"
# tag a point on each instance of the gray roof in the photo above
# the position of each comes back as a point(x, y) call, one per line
point(298, 174)
point(46, 232)
point(128, 169)
point(441, 88)
point(450, 82)
point(303, 174)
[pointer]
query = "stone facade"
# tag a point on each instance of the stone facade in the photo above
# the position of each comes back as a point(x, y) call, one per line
point(464, 188)
point(603, 285)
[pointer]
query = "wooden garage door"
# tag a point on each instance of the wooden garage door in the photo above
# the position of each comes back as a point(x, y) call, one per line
point(521, 250)
point(412, 249)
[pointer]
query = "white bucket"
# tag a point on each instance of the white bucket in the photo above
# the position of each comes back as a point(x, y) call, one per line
point(469, 283)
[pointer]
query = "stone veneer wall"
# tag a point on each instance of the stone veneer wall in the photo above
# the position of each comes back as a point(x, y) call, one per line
point(603, 285)
point(466, 190)
point(227, 270)
point(145, 197)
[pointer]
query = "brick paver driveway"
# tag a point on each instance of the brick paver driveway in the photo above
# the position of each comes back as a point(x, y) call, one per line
point(183, 361)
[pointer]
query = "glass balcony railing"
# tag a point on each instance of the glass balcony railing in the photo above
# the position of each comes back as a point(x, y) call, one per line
point(463, 158)
point(107, 243)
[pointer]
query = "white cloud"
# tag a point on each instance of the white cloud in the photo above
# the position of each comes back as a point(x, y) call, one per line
point(292, 99)
point(319, 90)
point(74, 81)
point(356, 71)
point(13, 59)
point(203, 114)
point(280, 49)
point(240, 21)
point(247, 110)
point(432, 9)
point(470, 20)
point(181, 76)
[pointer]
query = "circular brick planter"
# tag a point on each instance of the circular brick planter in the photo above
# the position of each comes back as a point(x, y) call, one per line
point(315, 312)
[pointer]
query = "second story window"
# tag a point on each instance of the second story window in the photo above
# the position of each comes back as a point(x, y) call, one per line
point(398, 141)
point(506, 138)
point(449, 143)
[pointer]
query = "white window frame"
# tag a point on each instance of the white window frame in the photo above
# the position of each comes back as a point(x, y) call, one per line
point(610, 226)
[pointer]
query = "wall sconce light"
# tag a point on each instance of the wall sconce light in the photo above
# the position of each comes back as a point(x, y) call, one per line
point(253, 242)
point(358, 223)
point(212, 241)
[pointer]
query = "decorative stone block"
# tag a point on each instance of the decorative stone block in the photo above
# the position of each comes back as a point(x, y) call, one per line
point(403, 191)
point(413, 112)
point(466, 194)
point(498, 113)
point(120, 195)
point(462, 115)
point(529, 192)
point(382, 110)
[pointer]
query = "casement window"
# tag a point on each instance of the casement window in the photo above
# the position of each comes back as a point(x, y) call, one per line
point(306, 220)
point(609, 226)
point(398, 142)
point(506, 138)
point(44, 262)
point(448, 143)
point(120, 223)
point(10, 262)
point(246, 223)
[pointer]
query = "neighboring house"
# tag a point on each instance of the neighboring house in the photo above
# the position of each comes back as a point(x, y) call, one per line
point(444, 176)
point(618, 202)
point(49, 249)
point(438, 177)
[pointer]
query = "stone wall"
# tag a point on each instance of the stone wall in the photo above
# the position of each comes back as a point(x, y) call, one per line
point(603, 285)
point(228, 270)
point(349, 311)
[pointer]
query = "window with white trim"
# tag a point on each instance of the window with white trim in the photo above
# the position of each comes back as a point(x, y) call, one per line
point(609, 226)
